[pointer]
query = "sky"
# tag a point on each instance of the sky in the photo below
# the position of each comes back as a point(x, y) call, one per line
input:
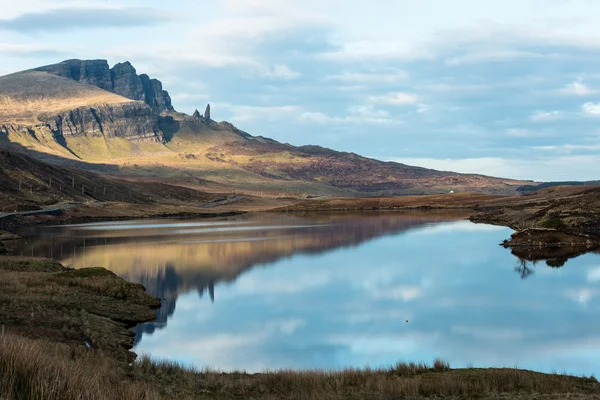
point(507, 88)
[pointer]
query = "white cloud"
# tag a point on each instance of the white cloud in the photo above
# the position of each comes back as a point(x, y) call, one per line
point(544, 116)
point(355, 115)
point(281, 71)
point(518, 132)
point(189, 97)
point(451, 88)
point(577, 89)
point(315, 117)
point(568, 148)
point(362, 50)
point(256, 113)
point(405, 293)
point(581, 296)
point(25, 49)
point(492, 56)
point(592, 109)
point(593, 274)
point(369, 78)
point(399, 98)
point(290, 326)
point(555, 168)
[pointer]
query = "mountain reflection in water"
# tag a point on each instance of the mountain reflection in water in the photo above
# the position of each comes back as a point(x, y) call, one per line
point(171, 257)
point(289, 274)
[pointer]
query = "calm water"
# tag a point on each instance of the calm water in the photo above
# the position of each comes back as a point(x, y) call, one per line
point(335, 291)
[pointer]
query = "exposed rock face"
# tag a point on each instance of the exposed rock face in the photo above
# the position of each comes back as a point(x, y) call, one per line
point(122, 79)
point(94, 72)
point(131, 121)
point(154, 95)
point(207, 113)
point(126, 82)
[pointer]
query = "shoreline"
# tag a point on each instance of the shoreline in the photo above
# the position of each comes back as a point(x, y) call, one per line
point(554, 217)
point(42, 299)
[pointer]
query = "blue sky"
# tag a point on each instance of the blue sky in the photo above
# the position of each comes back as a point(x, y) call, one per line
point(508, 88)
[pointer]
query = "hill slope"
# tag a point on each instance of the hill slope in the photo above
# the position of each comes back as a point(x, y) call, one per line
point(25, 95)
point(84, 110)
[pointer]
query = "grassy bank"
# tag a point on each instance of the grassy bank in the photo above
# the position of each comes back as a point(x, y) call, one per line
point(41, 299)
point(39, 369)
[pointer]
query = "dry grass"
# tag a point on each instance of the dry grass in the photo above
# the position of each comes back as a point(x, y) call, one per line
point(40, 299)
point(42, 370)
point(31, 369)
point(404, 380)
point(24, 95)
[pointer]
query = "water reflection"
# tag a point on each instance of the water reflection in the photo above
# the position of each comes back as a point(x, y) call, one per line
point(171, 257)
point(332, 291)
point(554, 257)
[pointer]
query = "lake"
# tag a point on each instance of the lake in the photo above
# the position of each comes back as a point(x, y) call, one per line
point(331, 291)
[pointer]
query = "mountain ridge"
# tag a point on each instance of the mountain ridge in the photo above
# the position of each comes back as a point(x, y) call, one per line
point(119, 117)
point(121, 79)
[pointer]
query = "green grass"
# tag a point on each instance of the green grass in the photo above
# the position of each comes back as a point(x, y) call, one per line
point(40, 299)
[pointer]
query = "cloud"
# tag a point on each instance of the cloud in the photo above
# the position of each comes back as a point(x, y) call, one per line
point(36, 50)
point(375, 51)
point(577, 89)
point(281, 71)
point(544, 116)
point(355, 115)
point(63, 19)
point(518, 132)
point(395, 99)
point(568, 148)
point(581, 296)
point(369, 78)
point(554, 168)
point(493, 56)
point(260, 113)
point(405, 293)
point(593, 274)
point(592, 109)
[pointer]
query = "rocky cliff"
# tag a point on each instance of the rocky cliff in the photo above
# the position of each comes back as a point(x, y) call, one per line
point(134, 121)
point(122, 79)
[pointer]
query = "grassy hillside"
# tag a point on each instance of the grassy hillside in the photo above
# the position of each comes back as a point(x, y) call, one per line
point(30, 184)
point(26, 94)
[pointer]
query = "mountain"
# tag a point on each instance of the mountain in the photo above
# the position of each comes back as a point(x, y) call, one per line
point(114, 120)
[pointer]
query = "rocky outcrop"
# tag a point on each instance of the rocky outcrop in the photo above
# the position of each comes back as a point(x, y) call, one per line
point(122, 79)
point(132, 121)
point(207, 113)
point(93, 72)
point(126, 82)
point(154, 95)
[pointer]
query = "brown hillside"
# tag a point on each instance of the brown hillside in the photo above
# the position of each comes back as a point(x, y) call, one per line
point(24, 95)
